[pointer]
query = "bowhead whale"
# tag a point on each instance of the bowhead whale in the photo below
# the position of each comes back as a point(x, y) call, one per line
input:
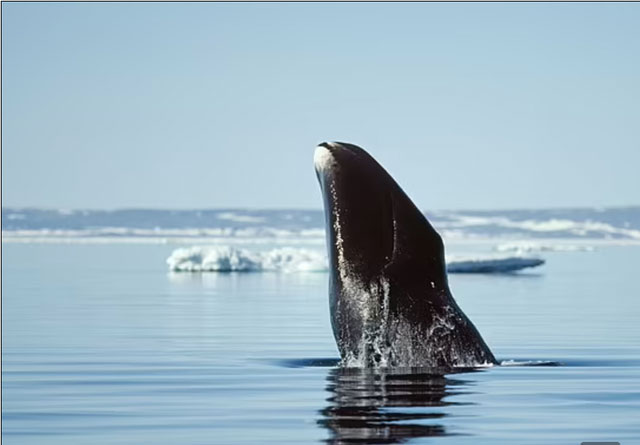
point(388, 292)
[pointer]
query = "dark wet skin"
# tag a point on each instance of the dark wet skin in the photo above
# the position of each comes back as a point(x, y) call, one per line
point(389, 294)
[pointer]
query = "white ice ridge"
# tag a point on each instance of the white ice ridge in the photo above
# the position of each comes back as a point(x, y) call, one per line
point(580, 228)
point(291, 259)
point(527, 246)
point(230, 216)
point(225, 235)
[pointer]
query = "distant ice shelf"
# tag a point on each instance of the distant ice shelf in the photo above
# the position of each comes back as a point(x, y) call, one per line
point(545, 227)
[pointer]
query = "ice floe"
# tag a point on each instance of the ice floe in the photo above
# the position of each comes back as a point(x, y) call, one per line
point(293, 259)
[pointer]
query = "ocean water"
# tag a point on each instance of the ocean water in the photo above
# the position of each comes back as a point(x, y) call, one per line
point(103, 344)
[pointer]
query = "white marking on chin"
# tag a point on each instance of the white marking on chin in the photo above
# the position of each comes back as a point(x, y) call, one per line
point(322, 158)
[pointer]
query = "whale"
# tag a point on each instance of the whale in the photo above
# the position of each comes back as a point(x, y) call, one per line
point(389, 296)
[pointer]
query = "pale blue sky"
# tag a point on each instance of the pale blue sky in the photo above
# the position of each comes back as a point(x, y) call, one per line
point(220, 105)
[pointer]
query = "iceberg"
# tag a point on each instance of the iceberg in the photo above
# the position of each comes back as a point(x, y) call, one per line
point(492, 264)
point(231, 259)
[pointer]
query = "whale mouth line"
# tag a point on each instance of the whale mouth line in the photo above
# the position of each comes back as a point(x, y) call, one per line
point(394, 233)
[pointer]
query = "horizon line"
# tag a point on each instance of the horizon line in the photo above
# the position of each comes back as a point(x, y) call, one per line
point(303, 209)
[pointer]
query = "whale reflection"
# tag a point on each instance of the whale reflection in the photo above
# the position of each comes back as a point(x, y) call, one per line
point(383, 407)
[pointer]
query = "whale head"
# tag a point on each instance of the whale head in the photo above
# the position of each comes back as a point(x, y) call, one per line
point(371, 224)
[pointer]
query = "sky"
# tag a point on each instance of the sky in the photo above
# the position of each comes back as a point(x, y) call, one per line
point(208, 105)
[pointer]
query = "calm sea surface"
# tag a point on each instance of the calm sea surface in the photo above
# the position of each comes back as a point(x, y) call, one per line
point(102, 345)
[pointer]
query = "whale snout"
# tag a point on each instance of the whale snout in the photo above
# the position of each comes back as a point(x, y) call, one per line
point(329, 155)
point(323, 158)
point(328, 145)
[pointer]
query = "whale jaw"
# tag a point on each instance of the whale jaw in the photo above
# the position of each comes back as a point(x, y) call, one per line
point(389, 295)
